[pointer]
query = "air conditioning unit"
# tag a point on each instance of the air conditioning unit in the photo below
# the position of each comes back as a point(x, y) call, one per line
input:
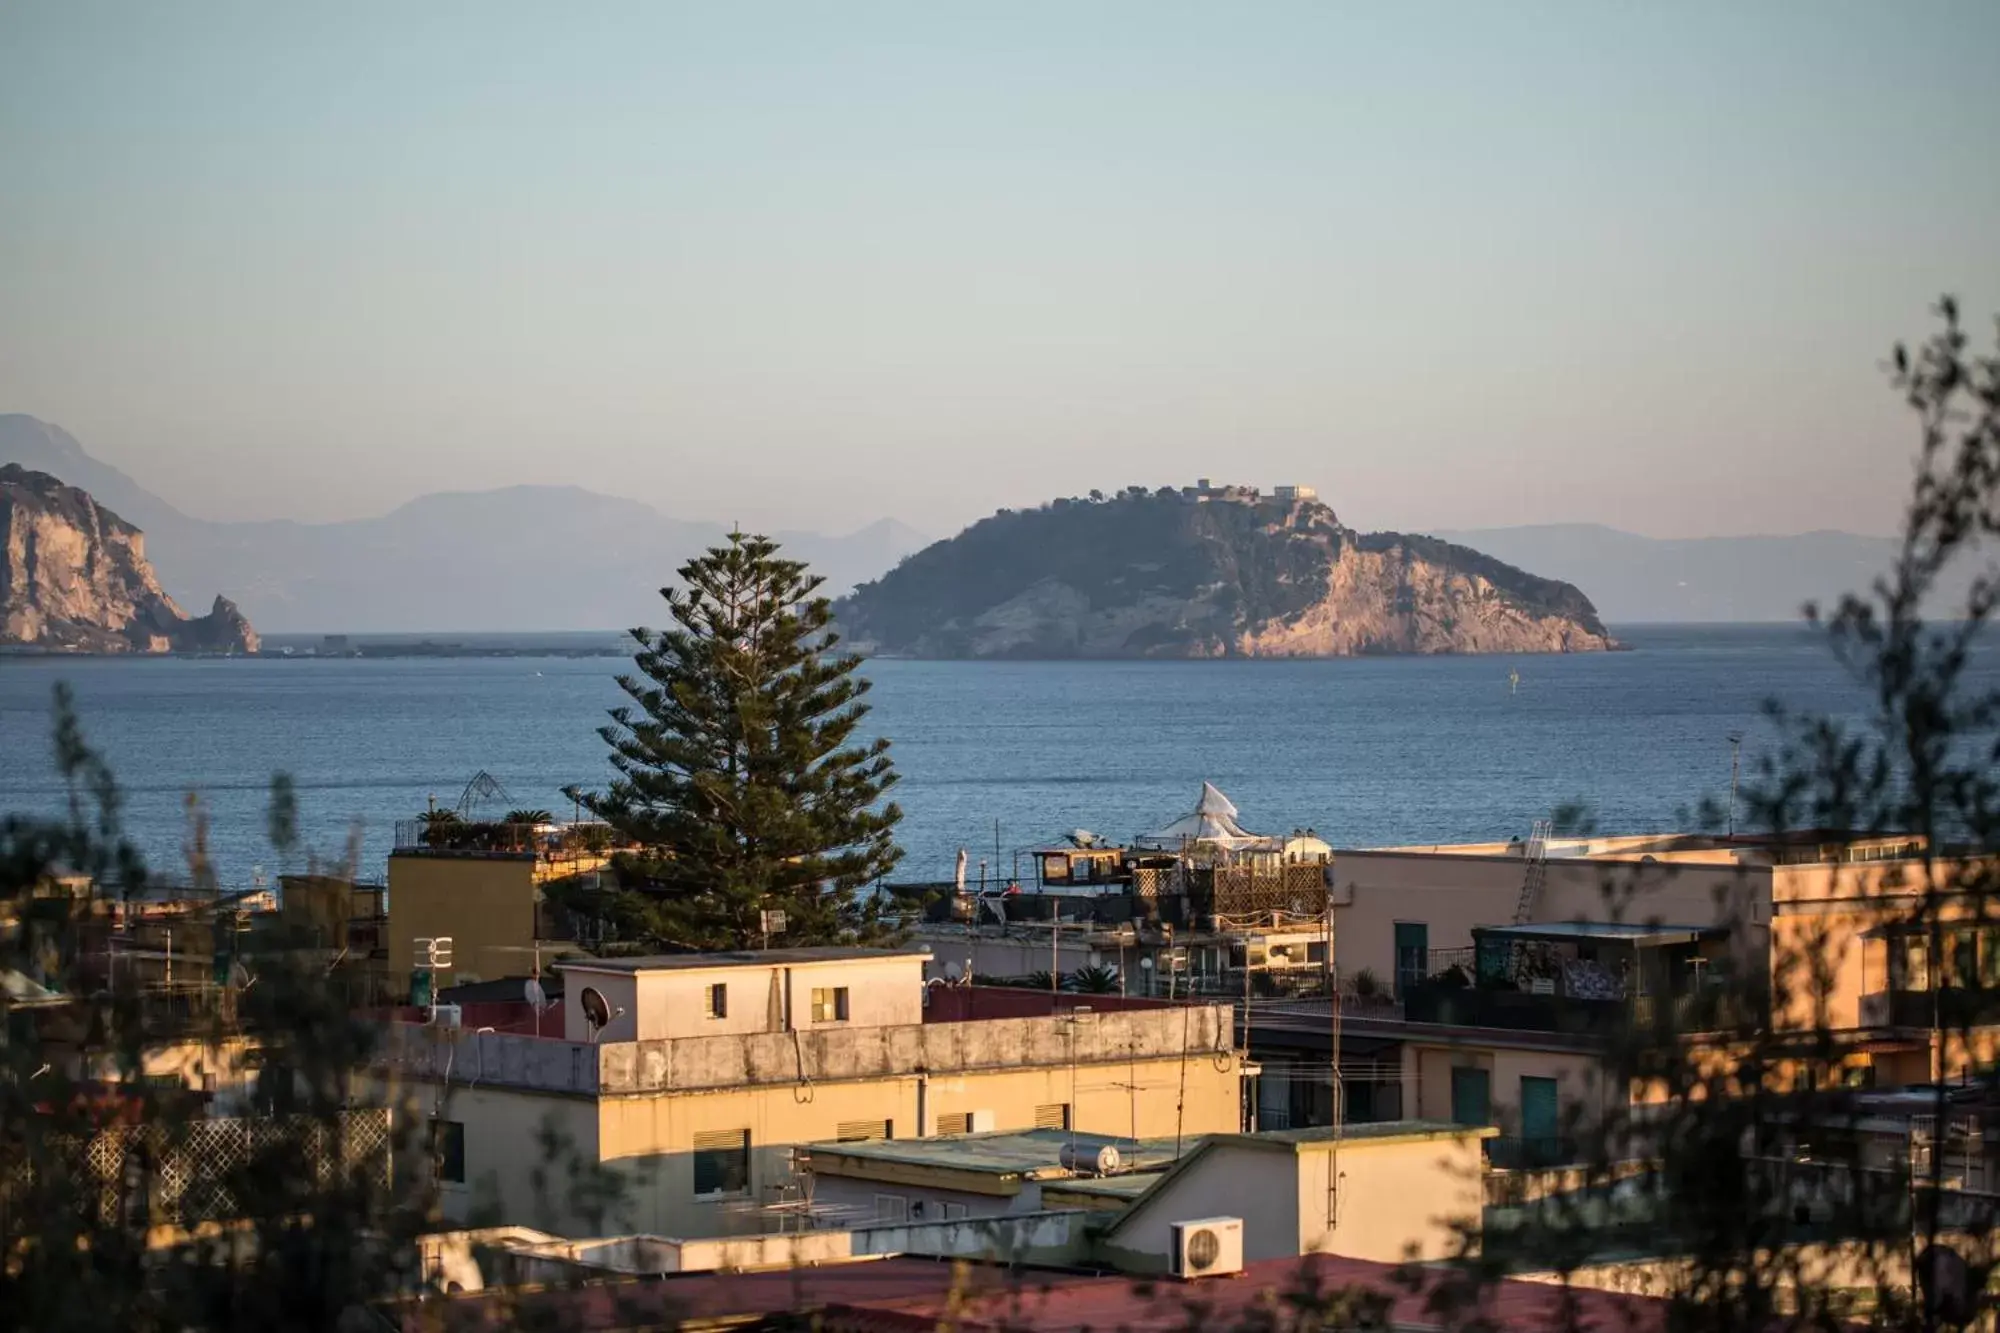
point(448, 1016)
point(980, 1122)
point(1209, 1247)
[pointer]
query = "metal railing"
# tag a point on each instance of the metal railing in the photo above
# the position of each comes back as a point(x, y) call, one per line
point(1529, 1154)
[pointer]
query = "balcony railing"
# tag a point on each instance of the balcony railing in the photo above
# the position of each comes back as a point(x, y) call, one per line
point(1529, 1154)
point(1520, 1011)
point(1527, 1011)
point(1951, 1007)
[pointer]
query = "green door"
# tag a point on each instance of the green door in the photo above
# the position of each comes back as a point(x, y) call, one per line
point(1413, 954)
point(1539, 1121)
point(1471, 1096)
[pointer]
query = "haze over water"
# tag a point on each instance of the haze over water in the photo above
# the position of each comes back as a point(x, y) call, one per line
point(1365, 751)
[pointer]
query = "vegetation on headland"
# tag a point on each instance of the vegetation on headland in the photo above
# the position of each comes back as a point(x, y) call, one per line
point(1164, 574)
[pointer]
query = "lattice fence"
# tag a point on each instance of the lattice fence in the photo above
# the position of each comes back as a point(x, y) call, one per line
point(1241, 890)
point(184, 1175)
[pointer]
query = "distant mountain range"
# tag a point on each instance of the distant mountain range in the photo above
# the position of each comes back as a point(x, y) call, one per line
point(520, 558)
point(565, 558)
point(1639, 580)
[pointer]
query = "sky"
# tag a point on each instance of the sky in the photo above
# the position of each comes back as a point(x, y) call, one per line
point(810, 265)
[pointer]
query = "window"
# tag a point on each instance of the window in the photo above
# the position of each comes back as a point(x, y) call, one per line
point(450, 1149)
point(954, 1212)
point(891, 1208)
point(1541, 1120)
point(1055, 1115)
point(1316, 951)
point(721, 1163)
point(1471, 1096)
point(1961, 957)
point(1911, 964)
point(718, 1000)
point(957, 1122)
point(864, 1131)
point(830, 1005)
point(1413, 954)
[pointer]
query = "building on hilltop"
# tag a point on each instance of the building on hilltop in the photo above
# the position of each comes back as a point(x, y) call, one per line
point(1203, 491)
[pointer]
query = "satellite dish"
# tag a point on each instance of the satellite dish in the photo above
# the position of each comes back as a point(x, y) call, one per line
point(239, 975)
point(533, 993)
point(952, 971)
point(595, 1011)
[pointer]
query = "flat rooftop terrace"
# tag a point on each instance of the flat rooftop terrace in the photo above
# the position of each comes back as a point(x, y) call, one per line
point(1006, 1153)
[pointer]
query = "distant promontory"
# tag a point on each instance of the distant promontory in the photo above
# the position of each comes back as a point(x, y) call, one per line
point(1206, 571)
point(74, 578)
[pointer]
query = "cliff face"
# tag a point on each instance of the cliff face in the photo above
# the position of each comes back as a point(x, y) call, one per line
point(1163, 575)
point(74, 577)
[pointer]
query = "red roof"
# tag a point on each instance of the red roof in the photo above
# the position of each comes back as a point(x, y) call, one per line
point(666, 1301)
point(905, 1293)
point(512, 1016)
point(1274, 1293)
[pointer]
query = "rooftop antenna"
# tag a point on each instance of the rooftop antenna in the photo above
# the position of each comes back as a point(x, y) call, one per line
point(1735, 767)
point(483, 787)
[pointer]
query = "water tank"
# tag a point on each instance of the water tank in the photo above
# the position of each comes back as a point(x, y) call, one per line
point(1086, 1160)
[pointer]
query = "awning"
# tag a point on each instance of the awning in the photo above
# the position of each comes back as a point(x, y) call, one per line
point(1632, 934)
point(1211, 823)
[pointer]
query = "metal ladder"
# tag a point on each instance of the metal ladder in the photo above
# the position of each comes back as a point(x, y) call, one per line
point(1537, 854)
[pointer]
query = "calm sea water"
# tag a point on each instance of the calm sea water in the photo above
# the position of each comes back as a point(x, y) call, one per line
point(1364, 751)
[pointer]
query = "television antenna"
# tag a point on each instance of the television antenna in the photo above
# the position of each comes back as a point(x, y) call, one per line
point(1735, 768)
point(483, 787)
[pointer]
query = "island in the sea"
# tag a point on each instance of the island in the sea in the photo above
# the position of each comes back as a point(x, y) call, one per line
point(74, 578)
point(1206, 571)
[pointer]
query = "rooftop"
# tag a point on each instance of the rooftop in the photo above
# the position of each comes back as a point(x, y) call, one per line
point(1795, 847)
point(1271, 1293)
point(921, 1295)
point(702, 962)
point(1639, 934)
point(1006, 1153)
point(1374, 1131)
point(505, 1052)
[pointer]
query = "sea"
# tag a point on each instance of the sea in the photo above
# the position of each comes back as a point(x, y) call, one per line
point(993, 757)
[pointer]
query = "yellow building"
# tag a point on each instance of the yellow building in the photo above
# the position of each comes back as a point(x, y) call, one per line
point(1494, 971)
point(692, 1077)
point(488, 903)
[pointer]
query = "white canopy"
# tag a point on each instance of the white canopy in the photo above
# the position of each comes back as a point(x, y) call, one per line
point(17, 988)
point(1212, 822)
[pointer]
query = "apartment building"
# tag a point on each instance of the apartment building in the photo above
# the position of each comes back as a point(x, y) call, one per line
point(1481, 980)
point(688, 1079)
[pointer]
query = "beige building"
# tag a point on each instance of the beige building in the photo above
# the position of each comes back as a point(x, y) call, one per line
point(689, 1079)
point(1488, 974)
point(1386, 1191)
point(1391, 1192)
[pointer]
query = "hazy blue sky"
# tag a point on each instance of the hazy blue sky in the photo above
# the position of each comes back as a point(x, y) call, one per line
point(812, 264)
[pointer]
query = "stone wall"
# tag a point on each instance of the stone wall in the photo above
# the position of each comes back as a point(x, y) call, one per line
point(831, 1055)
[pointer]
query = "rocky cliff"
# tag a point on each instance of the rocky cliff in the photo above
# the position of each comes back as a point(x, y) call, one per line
point(74, 577)
point(1167, 574)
